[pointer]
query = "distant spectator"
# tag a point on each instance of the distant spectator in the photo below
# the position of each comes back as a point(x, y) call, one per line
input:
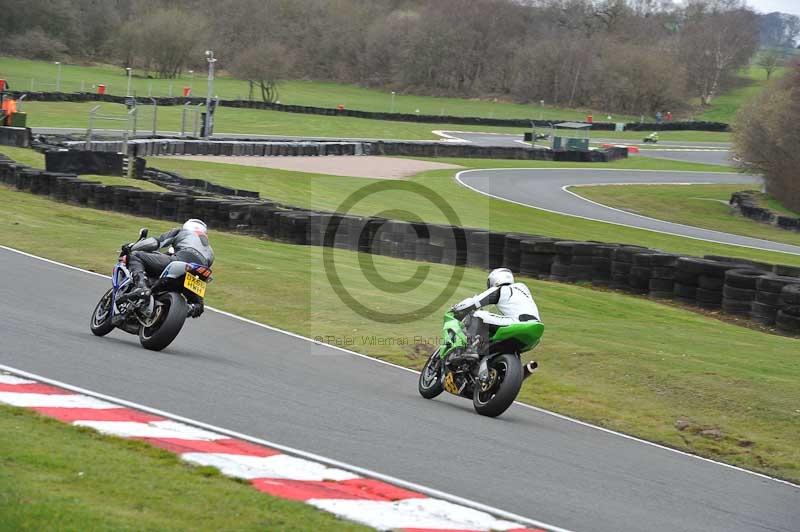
point(669, 116)
point(658, 117)
point(9, 107)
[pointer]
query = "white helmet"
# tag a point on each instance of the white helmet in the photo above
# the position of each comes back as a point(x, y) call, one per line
point(499, 276)
point(195, 226)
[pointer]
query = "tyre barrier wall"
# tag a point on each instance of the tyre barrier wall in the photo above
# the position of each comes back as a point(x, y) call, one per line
point(164, 146)
point(19, 137)
point(195, 187)
point(767, 294)
point(746, 203)
point(161, 146)
point(84, 162)
point(397, 117)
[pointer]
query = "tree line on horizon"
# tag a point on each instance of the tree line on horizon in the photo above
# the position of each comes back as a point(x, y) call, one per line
point(632, 56)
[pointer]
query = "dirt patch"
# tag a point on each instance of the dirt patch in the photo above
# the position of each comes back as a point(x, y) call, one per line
point(354, 166)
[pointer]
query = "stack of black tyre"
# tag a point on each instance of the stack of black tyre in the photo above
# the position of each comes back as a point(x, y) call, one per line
point(788, 317)
point(497, 245)
point(641, 271)
point(699, 281)
point(788, 271)
point(453, 240)
point(739, 290)
point(512, 254)
point(478, 249)
point(621, 264)
point(662, 275)
point(768, 300)
point(537, 256)
point(581, 268)
point(601, 264)
point(559, 271)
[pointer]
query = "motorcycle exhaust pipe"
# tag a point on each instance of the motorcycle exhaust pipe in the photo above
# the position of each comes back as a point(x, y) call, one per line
point(529, 368)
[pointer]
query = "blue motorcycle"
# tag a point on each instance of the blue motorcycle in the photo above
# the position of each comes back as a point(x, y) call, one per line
point(155, 315)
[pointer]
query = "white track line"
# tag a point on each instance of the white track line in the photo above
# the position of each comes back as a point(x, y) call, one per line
point(450, 138)
point(459, 181)
point(289, 451)
point(566, 188)
point(360, 355)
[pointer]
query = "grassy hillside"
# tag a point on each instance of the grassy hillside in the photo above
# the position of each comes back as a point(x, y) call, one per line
point(44, 74)
point(27, 75)
point(750, 81)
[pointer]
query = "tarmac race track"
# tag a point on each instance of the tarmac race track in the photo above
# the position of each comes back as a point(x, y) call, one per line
point(544, 189)
point(693, 152)
point(271, 385)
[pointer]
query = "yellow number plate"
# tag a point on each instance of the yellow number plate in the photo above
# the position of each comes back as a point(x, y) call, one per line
point(195, 284)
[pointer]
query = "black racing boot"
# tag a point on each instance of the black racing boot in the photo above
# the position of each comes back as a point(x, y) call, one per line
point(140, 284)
point(468, 354)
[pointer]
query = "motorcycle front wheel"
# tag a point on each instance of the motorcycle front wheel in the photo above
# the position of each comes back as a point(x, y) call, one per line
point(166, 322)
point(495, 396)
point(430, 382)
point(100, 324)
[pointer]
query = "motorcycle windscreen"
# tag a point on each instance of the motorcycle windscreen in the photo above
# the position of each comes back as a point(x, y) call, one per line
point(527, 333)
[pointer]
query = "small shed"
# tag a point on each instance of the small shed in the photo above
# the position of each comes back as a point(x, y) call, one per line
point(571, 136)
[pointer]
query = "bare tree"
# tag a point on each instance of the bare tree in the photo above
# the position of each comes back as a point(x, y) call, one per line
point(263, 65)
point(620, 55)
point(718, 38)
point(769, 61)
point(766, 135)
point(164, 39)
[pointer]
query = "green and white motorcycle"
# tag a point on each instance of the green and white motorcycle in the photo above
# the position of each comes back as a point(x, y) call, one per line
point(494, 380)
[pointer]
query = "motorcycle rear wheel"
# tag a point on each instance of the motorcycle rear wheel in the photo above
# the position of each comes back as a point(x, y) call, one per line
point(503, 391)
point(167, 323)
point(100, 322)
point(430, 381)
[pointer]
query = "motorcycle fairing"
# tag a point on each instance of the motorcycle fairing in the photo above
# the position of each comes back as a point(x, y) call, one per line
point(527, 333)
point(174, 270)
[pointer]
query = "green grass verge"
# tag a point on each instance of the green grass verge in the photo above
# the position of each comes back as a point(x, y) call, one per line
point(672, 136)
point(699, 205)
point(773, 204)
point(624, 362)
point(259, 122)
point(125, 182)
point(58, 477)
point(474, 210)
point(19, 72)
point(24, 156)
point(245, 121)
point(750, 82)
